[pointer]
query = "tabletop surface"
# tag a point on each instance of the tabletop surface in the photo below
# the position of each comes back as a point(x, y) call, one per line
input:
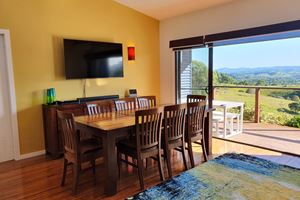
point(108, 121)
point(113, 120)
point(227, 103)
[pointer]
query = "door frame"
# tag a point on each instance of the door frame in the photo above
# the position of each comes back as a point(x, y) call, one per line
point(208, 122)
point(12, 94)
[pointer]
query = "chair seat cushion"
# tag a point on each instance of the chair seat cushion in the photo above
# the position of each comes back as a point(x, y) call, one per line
point(89, 145)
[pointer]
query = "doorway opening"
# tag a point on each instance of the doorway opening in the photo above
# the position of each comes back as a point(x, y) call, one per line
point(9, 137)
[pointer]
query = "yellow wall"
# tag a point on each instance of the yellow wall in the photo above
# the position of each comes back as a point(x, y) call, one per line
point(37, 28)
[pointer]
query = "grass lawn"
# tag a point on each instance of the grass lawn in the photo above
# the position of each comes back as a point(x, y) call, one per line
point(272, 109)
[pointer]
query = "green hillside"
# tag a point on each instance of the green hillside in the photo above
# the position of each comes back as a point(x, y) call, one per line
point(274, 104)
point(273, 110)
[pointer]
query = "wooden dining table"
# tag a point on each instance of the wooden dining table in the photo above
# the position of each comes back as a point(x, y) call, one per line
point(110, 127)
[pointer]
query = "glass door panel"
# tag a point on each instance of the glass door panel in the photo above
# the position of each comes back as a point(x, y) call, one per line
point(192, 72)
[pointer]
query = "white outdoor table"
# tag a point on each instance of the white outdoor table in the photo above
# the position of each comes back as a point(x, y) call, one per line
point(225, 105)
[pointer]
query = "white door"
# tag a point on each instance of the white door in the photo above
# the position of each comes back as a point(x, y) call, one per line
point(6, 134)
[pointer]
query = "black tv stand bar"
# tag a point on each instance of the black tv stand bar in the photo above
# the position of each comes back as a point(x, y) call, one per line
point(85, 99)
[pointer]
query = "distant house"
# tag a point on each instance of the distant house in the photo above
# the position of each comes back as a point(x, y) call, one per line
point(186, 74)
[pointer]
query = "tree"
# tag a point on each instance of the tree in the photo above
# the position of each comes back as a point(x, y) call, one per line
point(261, 82)
point(216, 78)
point(243, 83)
point(199, 74)
point(294, 106)
point(226, 78)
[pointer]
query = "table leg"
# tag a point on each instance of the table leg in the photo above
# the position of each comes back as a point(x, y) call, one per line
point(231, 126)
point(238, 124)
point(110, 164)
point(225, 123)
point(242, 118)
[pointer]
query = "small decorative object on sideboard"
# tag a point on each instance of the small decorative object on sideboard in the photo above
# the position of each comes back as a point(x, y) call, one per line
point(132, 93)
point(51, 96)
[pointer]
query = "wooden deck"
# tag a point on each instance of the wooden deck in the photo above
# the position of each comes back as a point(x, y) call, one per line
point(270, 136)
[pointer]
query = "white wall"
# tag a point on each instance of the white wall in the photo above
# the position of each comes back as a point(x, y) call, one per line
point(239, 14)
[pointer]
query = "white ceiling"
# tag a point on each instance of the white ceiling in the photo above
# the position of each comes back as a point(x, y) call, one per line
point(162, 9)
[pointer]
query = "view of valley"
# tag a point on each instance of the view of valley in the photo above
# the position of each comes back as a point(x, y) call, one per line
point(277, 106)
point(244, 67)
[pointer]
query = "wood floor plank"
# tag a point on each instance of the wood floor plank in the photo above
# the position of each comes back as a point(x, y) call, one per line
point(39, 178)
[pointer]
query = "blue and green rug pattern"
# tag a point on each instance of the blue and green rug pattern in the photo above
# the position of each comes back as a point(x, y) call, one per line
point(230, 176)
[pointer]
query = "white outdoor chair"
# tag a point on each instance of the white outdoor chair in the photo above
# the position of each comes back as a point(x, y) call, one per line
point(231, 117)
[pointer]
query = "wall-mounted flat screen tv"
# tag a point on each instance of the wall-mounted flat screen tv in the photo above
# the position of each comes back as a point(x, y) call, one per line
point(89, 59)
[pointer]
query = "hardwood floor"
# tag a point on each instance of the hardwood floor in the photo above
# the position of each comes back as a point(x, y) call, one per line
point(39, 178)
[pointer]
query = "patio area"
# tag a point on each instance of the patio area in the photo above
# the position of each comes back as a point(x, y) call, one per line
point(270, 136)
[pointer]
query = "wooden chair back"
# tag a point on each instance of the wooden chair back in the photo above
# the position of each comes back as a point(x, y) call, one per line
point(174, 122)
point(148, 128)
point(70, 137)
point(146, 101)
point(195, 98)
point(125, 104)
point(99, 107)
point(195, 118)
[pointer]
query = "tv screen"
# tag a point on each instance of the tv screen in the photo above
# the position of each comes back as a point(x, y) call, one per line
point(88, 59)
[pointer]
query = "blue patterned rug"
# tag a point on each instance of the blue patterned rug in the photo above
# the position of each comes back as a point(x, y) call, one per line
point(230, 176)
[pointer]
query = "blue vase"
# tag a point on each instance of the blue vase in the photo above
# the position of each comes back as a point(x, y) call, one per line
point(51, 96)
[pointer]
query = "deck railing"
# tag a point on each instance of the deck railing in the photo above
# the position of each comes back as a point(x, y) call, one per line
point(257, 95)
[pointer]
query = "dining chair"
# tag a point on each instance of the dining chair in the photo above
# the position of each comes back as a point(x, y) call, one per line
point(146, 101)
point(195, 128)
point(173, 135)
point(195, 98)
point(125, 104)
point(145, 144)
point(76, 151)
point(99, 107)
point(76, 110)
point(96, 108)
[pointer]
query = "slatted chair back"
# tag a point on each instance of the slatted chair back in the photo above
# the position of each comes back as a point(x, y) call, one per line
point(68, 130)
point(146, 101)
point(195, 98)
point(174, 122)
point(125, 104)
point(195, 118)
point(99, 107)
point(148, 128)
point(92, 109)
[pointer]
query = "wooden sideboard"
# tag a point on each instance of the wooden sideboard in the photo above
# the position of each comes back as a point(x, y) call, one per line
point(53, 140)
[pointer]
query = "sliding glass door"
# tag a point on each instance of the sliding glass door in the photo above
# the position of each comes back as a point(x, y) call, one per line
point(194, 76)
point(191, 73)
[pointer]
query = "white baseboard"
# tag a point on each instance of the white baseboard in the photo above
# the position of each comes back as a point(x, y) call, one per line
point(32, 154)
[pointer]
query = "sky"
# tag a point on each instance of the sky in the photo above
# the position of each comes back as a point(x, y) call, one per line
point(284, 52)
